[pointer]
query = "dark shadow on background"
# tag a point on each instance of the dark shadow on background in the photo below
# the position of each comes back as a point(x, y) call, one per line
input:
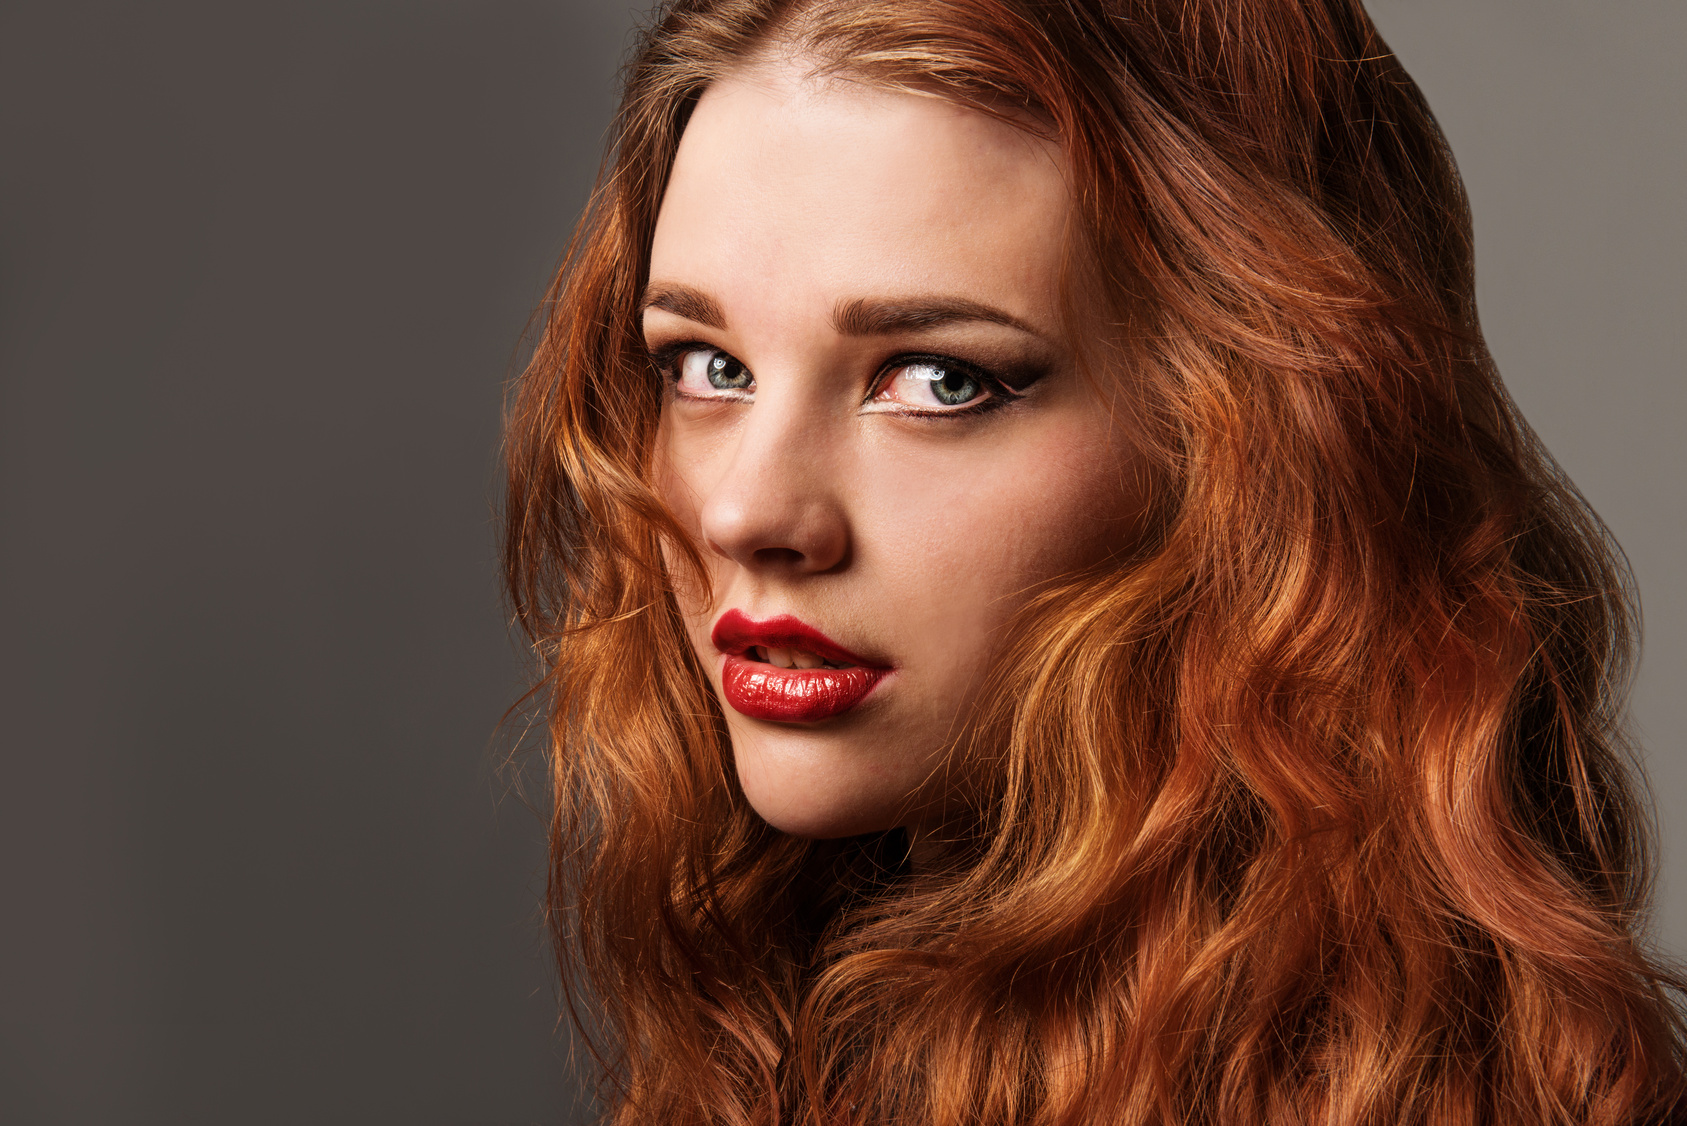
point(263, 272)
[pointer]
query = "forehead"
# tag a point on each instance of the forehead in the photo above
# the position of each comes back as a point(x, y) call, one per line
point(789, 188)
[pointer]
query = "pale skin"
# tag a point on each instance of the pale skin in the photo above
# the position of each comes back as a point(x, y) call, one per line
point(825, 250)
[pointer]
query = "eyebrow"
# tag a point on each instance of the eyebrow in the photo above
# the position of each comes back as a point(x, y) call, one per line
point(860, 316)
point(683, 301)
point(868, 317)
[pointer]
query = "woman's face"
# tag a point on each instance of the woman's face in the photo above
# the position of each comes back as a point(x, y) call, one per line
point(874, 428)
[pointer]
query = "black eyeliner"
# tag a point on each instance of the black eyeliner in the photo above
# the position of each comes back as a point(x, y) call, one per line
point(1003, 393)
point(665, 356)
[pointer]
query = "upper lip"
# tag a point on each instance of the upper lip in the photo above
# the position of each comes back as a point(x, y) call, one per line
point(736, 633)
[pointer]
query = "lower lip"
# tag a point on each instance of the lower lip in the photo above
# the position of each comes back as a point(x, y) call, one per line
point(763, 691)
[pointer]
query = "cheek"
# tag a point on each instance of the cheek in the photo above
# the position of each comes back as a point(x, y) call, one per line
point(679, 475)
point(966, 541)
point(674, 473)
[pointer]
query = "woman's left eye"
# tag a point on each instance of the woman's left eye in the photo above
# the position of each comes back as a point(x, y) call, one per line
point(939, 386)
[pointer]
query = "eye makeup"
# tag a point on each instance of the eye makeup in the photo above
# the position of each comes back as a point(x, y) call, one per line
point(909, 384)
point(699, 372)
point(936, 386)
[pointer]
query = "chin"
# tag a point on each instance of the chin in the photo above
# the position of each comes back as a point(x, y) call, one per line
point(818, 826)
point(804, 798)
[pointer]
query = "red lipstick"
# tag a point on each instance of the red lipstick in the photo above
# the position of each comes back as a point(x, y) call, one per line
point(762, 690)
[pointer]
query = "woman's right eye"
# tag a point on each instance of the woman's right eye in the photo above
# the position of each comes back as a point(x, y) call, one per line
point(709, 373)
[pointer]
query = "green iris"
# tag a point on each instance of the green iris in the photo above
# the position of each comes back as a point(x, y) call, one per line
point(952, 387)
point(726, 373)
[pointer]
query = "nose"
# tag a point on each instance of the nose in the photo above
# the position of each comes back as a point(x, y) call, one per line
point(779, 505)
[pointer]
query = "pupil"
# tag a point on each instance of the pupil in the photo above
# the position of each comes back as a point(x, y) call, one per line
point(727, 374)
point(953, 388)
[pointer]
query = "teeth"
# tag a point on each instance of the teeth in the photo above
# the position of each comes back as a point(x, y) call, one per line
point(790, 658)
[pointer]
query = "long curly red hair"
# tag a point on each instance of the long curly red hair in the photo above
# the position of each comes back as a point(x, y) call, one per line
point(1315, 809)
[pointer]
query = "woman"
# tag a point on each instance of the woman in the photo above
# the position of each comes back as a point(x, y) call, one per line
point(1047, 611)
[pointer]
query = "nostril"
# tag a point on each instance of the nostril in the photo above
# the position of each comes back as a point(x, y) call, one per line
point(776, 556)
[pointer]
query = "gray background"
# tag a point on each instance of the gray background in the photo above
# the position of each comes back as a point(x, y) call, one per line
point(263, 268)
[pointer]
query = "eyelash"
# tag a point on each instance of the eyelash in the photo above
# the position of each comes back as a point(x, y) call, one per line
point(1001, 394)
point(666, 358)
